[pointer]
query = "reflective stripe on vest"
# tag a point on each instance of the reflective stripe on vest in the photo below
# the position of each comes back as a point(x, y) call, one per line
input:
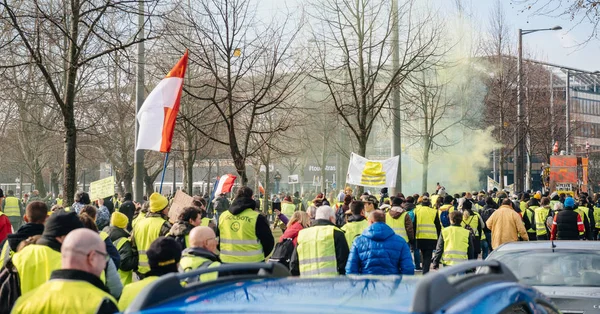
point(103, 235)
point(288, 209)
point(597, 216)
point(456, 245)
point(541, 213)
point(426, 223)
point(397, 225)
point(191, 262)
point(353, 229)
point(11, 207)
point(59, 201)
point(125, 276)
point(132, 290)
point(34, 264)
point(5, 254)
point(316, 251)
point(239, 243)
point(145, 232)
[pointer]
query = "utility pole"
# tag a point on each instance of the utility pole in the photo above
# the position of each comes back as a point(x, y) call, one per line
point(138, 166)
point(397, 136)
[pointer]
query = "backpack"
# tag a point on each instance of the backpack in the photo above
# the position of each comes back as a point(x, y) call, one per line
point(445, 218)
point(468, 227)
point(282, 253)
point(487, 214)
point(10, 288)
point(340, 217)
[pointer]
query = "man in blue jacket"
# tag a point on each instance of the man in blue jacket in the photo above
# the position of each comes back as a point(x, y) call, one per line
point(379, 251)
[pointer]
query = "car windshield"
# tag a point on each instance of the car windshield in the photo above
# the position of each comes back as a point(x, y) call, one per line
point(560, 268)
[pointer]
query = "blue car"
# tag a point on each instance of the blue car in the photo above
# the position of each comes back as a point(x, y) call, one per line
point(267, 288)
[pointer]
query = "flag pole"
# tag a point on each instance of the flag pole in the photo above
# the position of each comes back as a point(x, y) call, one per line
point(163, 172)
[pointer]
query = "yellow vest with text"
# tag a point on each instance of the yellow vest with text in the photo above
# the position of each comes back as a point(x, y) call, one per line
point(597, 216)
point(131, 291)
point(397, 225)
point(473, 222)
point(126, 276)
point(426, 223)
point(239, 243)
point(288, 209)
point(191, 262)
point(541, 213)
point(11, 207)
point(35, 263)
point(145, 233)
point(353, 229)
point(62, 296)
point(456, 245)
point(316, 251)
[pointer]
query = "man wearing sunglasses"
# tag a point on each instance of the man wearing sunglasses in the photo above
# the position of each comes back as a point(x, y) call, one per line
point(76, 288)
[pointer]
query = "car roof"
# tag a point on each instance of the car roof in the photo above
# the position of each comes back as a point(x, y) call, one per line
point(364, 294)
point(547, 245)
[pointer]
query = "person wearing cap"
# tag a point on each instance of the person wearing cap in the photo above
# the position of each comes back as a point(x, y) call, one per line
point(455, 245)
point(399, 220)
point(567, 223)
point(427, 230)
point(36, 262)
point(287, 207)
point(506, 225)
point(75, 287)
point(245, 235)
point(120, 237)
point(36, 214)
point(156, 224)
point(379, 251)
point(322, 249)
point(201, 253)
point(164, 255)
point(13, 208)
point(370, 203)
point(357, 222)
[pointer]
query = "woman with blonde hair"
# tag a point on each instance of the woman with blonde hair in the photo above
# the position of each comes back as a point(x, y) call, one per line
point(299, 221)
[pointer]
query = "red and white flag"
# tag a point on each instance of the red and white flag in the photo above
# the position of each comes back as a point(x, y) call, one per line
point(225, 184)
point(158, 113)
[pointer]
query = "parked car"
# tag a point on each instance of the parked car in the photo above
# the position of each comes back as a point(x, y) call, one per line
point(267, 288)
point(568, 272)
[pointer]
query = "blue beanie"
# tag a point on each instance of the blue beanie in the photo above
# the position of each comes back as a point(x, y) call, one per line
point(569, 202)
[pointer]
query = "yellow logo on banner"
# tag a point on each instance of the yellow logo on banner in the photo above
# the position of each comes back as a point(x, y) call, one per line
point(373, 174)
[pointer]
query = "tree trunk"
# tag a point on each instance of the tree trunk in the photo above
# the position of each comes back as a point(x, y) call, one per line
point(38, 180)
point(501, 170)
point(70, 174)
point(128, 180)
point(54, 182)
point(189, 171)
point(362, 151)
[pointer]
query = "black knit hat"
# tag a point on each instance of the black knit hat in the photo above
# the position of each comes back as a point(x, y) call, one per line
point(164, 253)
point(60, 223)
point(397, 201)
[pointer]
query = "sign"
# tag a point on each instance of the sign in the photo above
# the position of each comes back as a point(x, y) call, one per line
point(293, 179)
point(491, 184)
point(180, 201)
point(102, 188)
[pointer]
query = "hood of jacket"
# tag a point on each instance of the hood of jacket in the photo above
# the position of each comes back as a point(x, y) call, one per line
point(201, 252)
point(25, 231)
point(180, 229)
point(378, 231)
point(446, 207)
point(355, 218)
point(115, 233)
point(408, 206)
point(396, 212)
point(240, 204)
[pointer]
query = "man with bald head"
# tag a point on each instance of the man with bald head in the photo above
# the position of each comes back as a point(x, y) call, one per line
point(201, 253)
point(76, 287)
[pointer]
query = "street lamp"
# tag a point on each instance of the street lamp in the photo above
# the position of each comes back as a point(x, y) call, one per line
point(520, 151)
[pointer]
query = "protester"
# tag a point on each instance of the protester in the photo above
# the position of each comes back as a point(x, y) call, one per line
point(379, 250)
point(357, 222)
point(140, 214)
point(119, 236)
point(128, 209)
point(76, 287)
point(36, 262)
point(427, 231)
point(90, 211)
point(81, 199)
point(455, 245)
point(506, 225)
point(220, 204)
point(35, 217)
point(474, 223)
point(541, 216)
point(164, 255)
point(587, 218)
point(156, 224)
point(567, 223)
point(188, 219)
point(201, 253)
point(299, 221)
point(13, 208)
point(399, 220)
point(322, 249)
point(5, 227)
point(245, 234)
point(370, 204)
point(103, 216)
point(445, 210)
point(488, 210)
point(287, 207)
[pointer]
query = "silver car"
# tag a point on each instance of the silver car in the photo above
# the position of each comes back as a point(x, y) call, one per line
point(568, 272)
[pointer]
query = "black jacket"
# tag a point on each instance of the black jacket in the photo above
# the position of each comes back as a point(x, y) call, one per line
point(128, 209)
point(107, 306)
point(566, 225)
point(25, 231)
point(129, 254)
point(178, 232)
point(263, 230)
point(341, 250)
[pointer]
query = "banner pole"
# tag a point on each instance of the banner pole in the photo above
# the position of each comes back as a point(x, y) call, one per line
point(162, 179)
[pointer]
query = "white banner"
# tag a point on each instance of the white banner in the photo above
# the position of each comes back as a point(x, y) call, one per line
point(293, 179)
point(373, 173)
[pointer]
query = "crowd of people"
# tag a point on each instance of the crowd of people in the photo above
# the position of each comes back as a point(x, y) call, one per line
point(98, 256)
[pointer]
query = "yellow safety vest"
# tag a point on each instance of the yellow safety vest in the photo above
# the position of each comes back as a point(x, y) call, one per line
point(523, 206)
point(397, 225)
point(541, 213)
point(496, 200)
point(478, 208)
point(339, 205)
point(103, 235)
point(316, 251)
point(145, 233)
point(474, 224)
point(205, 222)
point(353, 229)
point(5, 253)
point(456, 245)
point(191, 262)
point(59, 201)
point(11, 207)
point(126, 276)
point(62, 296)
point(239, 243)
point(584, 213)
point(141, 216)
point(35, 263)
point(288, 209)
point(426, 223)
point(131, 291)
point(530, 213)
point(597, 216)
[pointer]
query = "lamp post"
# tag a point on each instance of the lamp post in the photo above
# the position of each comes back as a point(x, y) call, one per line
point(520, 143)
